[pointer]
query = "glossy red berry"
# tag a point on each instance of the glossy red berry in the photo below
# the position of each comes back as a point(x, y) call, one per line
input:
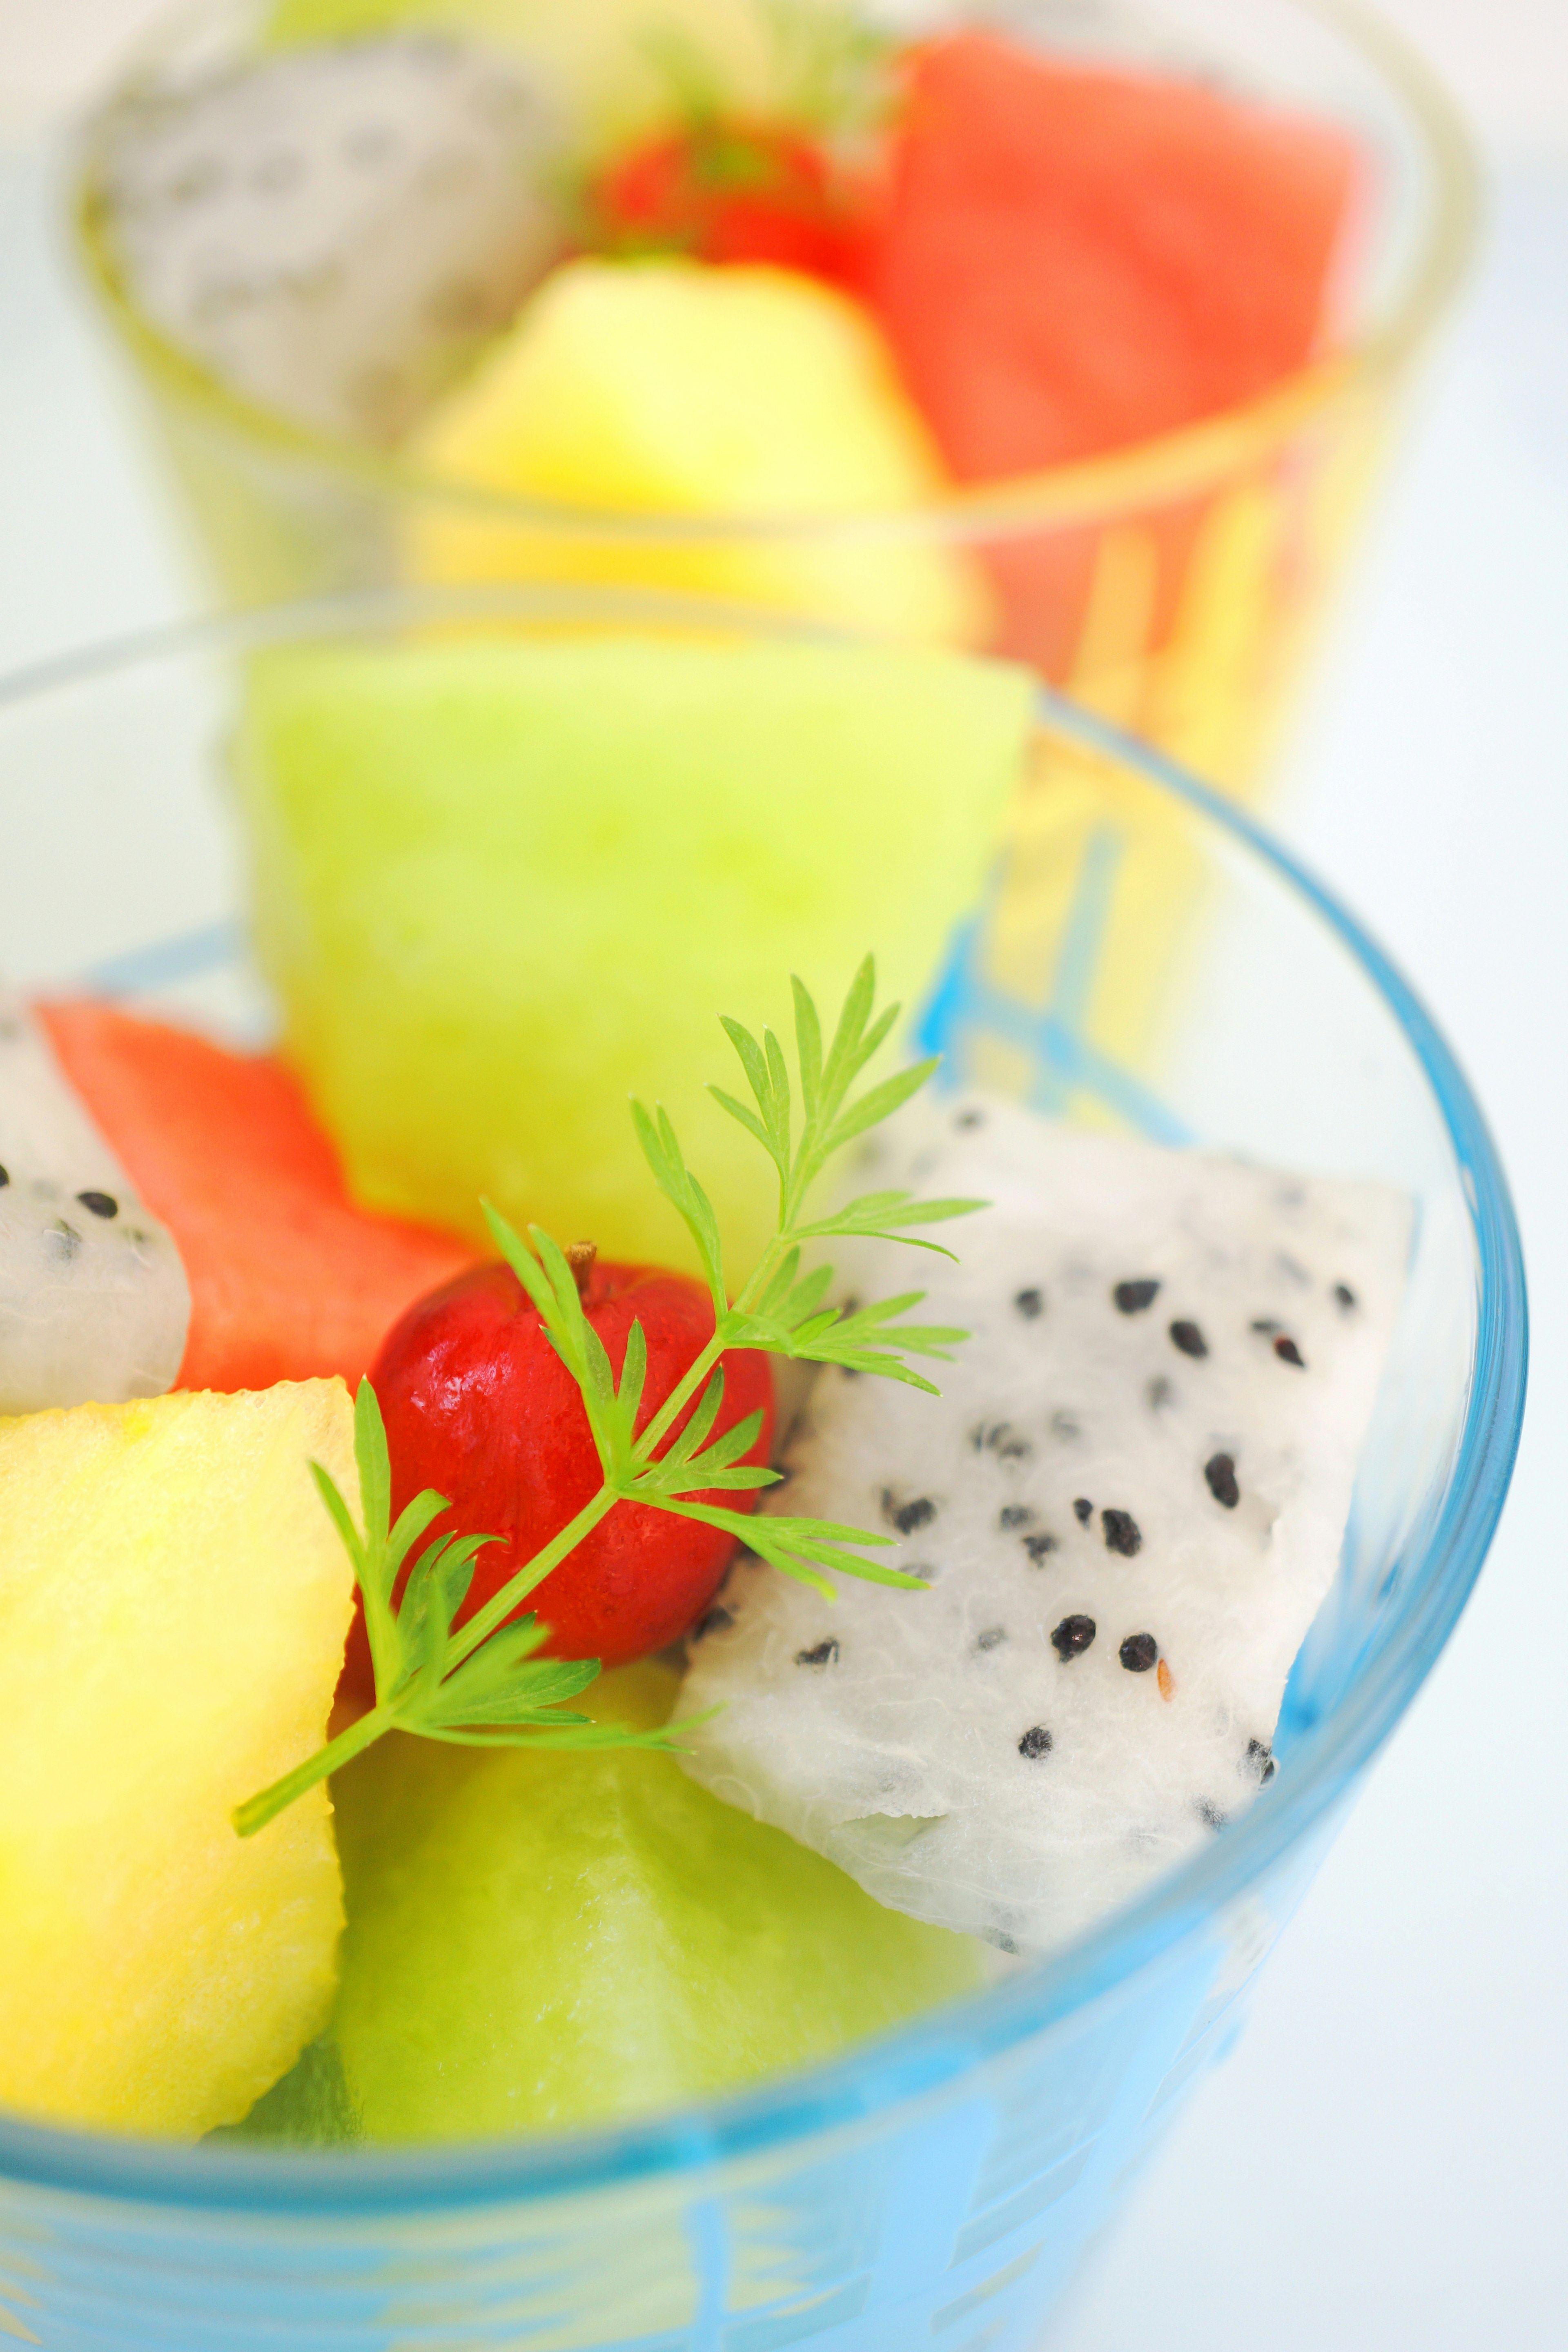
point(478, 1404)
point(741, 191)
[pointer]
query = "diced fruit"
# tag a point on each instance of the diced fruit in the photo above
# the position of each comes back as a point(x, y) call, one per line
point(174, 1601)
point(1130, 1498)
point(501, 883)
point(478, 1404)
point(1076, 259)
point(664, 387)
point(289, 1280)
point(94, 1303)
point(539, 1940)
point(737, 191)
point(308, 2108)
point(334, 232)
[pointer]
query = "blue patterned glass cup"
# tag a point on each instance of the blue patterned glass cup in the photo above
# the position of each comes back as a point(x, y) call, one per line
point(936, 2186)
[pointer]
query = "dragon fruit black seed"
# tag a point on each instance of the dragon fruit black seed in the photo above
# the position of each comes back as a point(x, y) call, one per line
point(1265, 1326)
point(1123, 1533)
point(908, 1516)
point(1013, 1515)
point(5, 1176)
point(1159, 1393)
point(1083, 1510)
point(963, 1119)
point(1344, 1298)
point(101, 1205)
point(1072, 1637)
point(713, 1621)
point(1138, 1652)
point(1210, 1812)
point(1000, 1437)
point(1133, 1297)
point(1039, 1549)
point(1220, 1472)
point(1036, 1741)
point(1030, 1303)
point(1188, 1338)
point(1260, 1756)
point(825, 1654)
point(1288, 1353)
point(990, 1637)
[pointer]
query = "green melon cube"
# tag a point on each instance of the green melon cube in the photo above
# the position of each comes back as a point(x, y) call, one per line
point(541, 1940)
point(500, 882)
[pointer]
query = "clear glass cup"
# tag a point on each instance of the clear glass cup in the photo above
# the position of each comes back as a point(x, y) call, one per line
point(939, 2184)
point(1170, 585)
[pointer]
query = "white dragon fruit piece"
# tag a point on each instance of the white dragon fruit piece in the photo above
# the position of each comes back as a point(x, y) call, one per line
point(94, 1297)
point(1129, 1498)
point(333, 232)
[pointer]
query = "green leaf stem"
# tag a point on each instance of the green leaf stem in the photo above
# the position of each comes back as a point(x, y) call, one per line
point(482, 1683)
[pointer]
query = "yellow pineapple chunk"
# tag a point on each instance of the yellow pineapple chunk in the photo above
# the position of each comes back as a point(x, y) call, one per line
point(174, 1602)
point(670, 388)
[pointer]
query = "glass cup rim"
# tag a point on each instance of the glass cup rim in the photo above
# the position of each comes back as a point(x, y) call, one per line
point(1155, 472)
point(923, 2056)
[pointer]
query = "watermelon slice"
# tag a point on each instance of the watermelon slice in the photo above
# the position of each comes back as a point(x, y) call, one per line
point(1075, 260)
point(289, 1280)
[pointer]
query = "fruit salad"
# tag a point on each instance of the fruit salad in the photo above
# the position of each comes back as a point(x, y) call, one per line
point(484, 1653)
point(775, 304)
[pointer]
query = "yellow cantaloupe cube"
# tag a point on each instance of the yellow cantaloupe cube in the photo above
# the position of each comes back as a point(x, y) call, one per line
point(741, 393)
point(174, 1602)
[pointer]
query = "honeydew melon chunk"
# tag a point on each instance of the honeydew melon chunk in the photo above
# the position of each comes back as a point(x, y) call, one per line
point(541, 1940)
point(671, 387)
point(499, 883)
point(94, 1303)
point(174, 1602)
point(1130, 1499)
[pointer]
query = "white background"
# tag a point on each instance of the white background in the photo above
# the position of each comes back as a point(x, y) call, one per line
point(1383, 2165)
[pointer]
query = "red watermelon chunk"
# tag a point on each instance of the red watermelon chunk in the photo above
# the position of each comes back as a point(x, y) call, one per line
point(1075, 260)
point(289, 1280)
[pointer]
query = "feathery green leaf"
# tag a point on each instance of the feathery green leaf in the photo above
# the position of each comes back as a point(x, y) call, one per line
point(482, 1683)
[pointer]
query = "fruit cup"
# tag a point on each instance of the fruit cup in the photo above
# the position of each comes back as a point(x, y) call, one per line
point(1251, 218)
point(1268, 210)
point(938, 2183)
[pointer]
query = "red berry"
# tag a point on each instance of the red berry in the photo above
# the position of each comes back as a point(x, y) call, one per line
point(479, 1406)
point(740, 191)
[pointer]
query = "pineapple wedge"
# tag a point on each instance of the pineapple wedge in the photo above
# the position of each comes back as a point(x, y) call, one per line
point(174, 1602)
point(666, 387)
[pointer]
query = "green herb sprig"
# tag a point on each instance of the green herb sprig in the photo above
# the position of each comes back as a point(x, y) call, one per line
point(824, 69)
point(482, 1683)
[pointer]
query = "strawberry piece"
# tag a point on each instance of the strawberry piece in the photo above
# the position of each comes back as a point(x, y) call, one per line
point(739, 192)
